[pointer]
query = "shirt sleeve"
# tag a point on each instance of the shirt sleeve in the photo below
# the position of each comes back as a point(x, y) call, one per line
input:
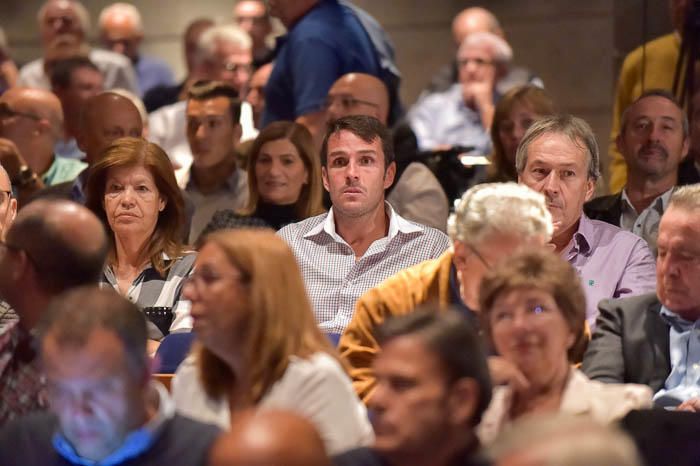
point(639, 276)
point(604, 359)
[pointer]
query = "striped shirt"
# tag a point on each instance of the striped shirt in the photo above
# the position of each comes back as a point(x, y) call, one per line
point(335, 279)
point(160, 297)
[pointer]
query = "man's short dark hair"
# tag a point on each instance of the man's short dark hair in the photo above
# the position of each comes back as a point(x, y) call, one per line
point(364, 127)
point(664, 94)
point(452, 339)
point(207, 90)
point(62, 70)
point(74, 315)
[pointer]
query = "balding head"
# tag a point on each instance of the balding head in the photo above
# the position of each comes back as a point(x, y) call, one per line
point(121, 29)
point(269, 437)
point(58, 17)
point(106, 117)
point(358, 94)
point(8, 204)
point(474, 19)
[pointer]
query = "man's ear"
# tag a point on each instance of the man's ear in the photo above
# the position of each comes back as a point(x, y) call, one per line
point(590, 188)
point(463, 401)
point(389, 175)
point(324, 178)
point(459, 254)
point(237, 134)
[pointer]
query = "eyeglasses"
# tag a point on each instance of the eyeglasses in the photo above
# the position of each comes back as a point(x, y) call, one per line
point(479, 256)
point(206, 278)
point(6, 112)
point(477, 61)
point(532, 312)
point(237, 67)
point(346, 101)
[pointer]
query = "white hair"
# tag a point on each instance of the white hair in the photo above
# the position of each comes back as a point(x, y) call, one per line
point(505, 208)
point(79, 9)
point(686, 197)
point(501, 52)
point(206, 45)
point(136, 100)
point(121, 8)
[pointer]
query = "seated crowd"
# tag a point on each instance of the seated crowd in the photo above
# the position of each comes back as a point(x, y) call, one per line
point(266, 269)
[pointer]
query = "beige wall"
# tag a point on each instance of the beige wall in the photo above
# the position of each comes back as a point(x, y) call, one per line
point(575, 46)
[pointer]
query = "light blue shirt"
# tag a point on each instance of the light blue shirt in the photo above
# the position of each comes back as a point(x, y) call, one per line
point(683, 382)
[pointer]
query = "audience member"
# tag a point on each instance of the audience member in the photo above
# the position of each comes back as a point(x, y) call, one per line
point(416, 194)
point(138, 103)
point(649, 66)
point(253, 18)
point(428, 396)
point(73, 81)
point(514, 114)
point(469, 21)
point(653, 140)
point(213, 133)
point(8, 68)
point(33, 120)
point(533, 313)
point(325, 40)
point(361, 240)
point(103, 407)
point(563, 440)
point(490, 223)
point(121, 31)
point(259, 345)
point(558, 157)
point(689, 169)
point(256, 93)
point(462, 115)
point(270, 437)
point(649, 339)
point(284, 181)
point(133, 191)
point(223, 54)
point(51, 247)
point(69, 17)
point(161, 96)
point(8, 211)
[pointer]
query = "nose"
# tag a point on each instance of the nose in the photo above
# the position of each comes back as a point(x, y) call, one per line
point(127, 197)
point(189, 290)
point(351, 171)
point(654, 132)
point(377, 402)
point(118, 47)
point(551, 183)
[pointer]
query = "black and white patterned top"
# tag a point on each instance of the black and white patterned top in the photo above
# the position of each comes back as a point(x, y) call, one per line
point(335, 279)
point(160, 297)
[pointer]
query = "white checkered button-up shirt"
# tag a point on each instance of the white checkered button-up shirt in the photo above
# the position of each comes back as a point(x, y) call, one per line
point(335, 280)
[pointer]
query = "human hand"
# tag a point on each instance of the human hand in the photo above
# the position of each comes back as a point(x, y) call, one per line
point(10, 158)
point(692, 405)
point(504, 372)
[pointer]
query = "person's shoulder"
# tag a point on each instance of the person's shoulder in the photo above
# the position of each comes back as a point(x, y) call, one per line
point(319, 364)
point(108, 58)
point(191, 428)
point(616, 235)
point(602, 202)
point(662, 44)
point(38, 426)
point(638, 304)
point(294, 231)
point(363, 456)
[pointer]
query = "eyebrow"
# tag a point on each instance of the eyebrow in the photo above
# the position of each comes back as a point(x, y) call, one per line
point(339, 152)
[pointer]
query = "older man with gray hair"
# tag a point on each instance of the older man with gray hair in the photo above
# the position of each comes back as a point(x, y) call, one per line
point(462, 115)
point(490, 223)
point(224, 53)
point(559, 157)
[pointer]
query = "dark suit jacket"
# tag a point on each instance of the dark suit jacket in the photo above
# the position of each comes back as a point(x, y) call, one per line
point(605, 208)
point(630, 343)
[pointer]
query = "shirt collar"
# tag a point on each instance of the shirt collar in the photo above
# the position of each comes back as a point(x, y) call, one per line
point(231, 183)
point(659, 203)
point(677, 322)
point(397, 224)
point(136, 442)
point(583, 238)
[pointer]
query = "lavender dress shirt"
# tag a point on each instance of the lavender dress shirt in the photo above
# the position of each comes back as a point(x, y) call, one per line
point(612, 263)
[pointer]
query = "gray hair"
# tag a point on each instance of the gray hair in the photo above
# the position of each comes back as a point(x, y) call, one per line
point(136, 100)
point(501, 51)
point(126, 9)
point(576, 129)
point(79, 10)
point(206, 45)
point(663, 93)
point(566, 440)
point(507, 208)
point(686, 197)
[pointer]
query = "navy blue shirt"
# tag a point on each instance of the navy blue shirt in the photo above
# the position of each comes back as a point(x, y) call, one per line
point(326, 43)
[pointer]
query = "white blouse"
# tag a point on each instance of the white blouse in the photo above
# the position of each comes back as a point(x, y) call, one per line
point(316, 388)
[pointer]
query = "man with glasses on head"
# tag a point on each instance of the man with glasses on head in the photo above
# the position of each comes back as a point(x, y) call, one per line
point(51, 247)
point(490, 223)
point(462, 115)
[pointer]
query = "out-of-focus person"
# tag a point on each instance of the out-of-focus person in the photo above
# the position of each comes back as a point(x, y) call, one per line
point(533, 313)
point(8, 203)
point(121, 31)
point(8, 68)
point(689, 169)
point(515, 112)
point(103, 406)
point(284, 181)
point(70, 18)
point(132, 189)
point(252, 16)
point(259, 345)
point(73, 81)
point(255, 96)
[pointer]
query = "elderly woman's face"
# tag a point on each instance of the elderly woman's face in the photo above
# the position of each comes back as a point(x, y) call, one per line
point(529, 330)
point(132, 201)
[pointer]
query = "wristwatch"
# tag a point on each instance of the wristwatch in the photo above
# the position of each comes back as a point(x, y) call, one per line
point(24, 177)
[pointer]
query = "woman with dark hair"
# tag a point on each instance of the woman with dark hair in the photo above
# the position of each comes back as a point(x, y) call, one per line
point(514, 113)
point(284, 181)
point(132, 189)
point(258, 344)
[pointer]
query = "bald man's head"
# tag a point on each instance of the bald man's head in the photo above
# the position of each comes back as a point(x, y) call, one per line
point(65, 242)
point(269, 437)
point(106, 117)
point(474, 19)
point(358, 94)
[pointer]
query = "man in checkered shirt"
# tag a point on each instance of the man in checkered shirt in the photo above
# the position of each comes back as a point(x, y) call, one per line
point(51, 247)
point(361, 241)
